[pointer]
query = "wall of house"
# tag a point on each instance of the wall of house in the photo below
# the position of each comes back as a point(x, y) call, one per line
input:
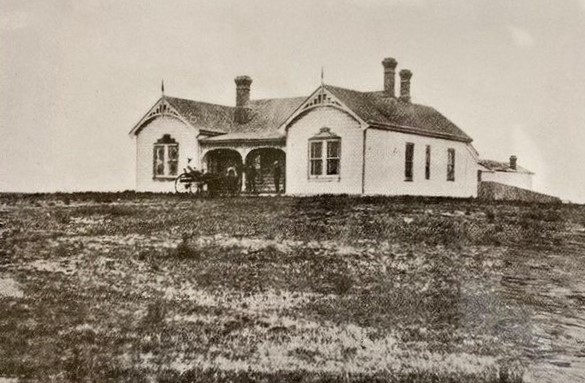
point(385, 165)
point(188, 148)
point(297, 160)
point(519, 180)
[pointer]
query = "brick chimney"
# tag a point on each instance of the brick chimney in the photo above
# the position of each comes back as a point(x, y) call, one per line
point(389, 65)
point(242, 112)
point(405, 76)
point(513, 162)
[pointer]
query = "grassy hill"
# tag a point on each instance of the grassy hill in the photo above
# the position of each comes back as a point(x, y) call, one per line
point(161, 288)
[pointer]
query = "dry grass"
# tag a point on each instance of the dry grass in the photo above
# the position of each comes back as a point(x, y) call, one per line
point(140, 288)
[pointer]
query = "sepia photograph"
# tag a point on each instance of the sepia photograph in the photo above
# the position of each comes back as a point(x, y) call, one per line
point(237, 191)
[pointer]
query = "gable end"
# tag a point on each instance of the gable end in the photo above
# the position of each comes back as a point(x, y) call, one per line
point(161, 108)
point(319, 98)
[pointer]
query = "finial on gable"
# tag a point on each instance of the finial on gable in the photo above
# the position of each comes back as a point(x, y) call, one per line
point(162, 87)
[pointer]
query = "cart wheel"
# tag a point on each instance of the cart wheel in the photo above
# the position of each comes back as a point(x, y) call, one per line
point(184, 184)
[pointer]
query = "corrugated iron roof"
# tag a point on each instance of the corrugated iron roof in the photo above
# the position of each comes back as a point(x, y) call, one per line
point(376, 108)
point(203, 115)
point(497, 166)
point(268, 115)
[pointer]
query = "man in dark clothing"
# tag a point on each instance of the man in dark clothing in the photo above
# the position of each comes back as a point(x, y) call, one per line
point(276, 172)
point(232, 179)
point(251, 178)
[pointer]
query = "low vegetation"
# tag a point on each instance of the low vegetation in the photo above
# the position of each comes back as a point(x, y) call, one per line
point(132, 287)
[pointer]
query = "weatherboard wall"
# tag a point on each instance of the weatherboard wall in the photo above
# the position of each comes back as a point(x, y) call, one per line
point(385, 166)
point(298, 180)
point(188, 148)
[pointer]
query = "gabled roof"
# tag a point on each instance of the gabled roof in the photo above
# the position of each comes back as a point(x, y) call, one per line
point(379, 110)
point(497, 166)
point(266, 116)
point(203, 115)
point(375, 108)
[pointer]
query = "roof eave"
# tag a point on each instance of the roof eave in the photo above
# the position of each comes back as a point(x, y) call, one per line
point(240, 140)
point(135, 129)
point(211, 132)
point(514, 171)
point(411, 130)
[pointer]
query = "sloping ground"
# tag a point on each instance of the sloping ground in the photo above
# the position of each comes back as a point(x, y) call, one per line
point(495, 191)
point(145, 288)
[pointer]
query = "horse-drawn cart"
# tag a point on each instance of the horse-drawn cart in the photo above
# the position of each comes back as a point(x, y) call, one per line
point(199, 183)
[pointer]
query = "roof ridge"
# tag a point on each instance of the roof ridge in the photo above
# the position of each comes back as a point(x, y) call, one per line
point(342, 88)
point(380, 93)
point(278, 98)
point(504, 166)
point(199, 102)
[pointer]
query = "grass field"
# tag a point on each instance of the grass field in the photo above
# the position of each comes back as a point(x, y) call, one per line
point(158, 288)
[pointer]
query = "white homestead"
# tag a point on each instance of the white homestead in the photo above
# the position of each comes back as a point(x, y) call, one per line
point(335, 141)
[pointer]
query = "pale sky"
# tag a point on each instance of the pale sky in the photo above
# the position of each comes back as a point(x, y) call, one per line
point(75, 76)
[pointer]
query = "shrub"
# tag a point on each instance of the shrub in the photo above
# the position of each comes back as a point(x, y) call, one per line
point(120, 211)
point(490, 215)
point(510, 375)
point(155, 313)
point(169, 376)
point(62, 217)
point(62, 251)
point(542, 214)
point(342, 283)
point(185, 250)
point(103, 198)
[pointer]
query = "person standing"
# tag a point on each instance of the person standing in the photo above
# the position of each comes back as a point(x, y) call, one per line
point(232, 179)
point(251, 178)
point(277, 173)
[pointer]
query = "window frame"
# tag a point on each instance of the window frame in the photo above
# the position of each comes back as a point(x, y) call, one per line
point(325, 139)
point(169, 161)
point(314, 159)
point(428, 162)
point(409, 162)
point(170, 166)
point(451, 165)
point(158, 159)
point(329, 158)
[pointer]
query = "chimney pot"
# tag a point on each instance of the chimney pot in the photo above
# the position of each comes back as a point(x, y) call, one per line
point(389, 65)
point(242, 112)
point(405, 76)
point(513, 162)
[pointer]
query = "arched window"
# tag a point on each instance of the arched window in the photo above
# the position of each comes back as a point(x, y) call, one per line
point(165, 157)
point(324, 154)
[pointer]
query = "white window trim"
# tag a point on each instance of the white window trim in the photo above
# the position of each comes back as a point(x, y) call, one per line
point(166, 159)
point(324, 177)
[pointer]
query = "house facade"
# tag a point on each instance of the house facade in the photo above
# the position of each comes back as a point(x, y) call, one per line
point(334, 141)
